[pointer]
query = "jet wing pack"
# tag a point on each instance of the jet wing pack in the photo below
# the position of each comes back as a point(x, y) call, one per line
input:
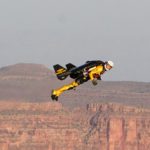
point(75, 72)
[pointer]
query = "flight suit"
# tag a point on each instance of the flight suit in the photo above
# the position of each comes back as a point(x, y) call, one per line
point(92, 75)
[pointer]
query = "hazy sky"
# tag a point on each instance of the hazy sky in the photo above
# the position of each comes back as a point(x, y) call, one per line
point(62, 31)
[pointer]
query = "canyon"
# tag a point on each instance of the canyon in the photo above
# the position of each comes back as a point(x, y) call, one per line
point(110, 116)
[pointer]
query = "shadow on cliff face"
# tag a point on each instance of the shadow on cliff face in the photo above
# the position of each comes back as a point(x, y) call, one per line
point(96, 124)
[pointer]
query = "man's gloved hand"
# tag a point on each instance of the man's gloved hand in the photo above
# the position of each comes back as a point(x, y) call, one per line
point(97, 76)
point(94, 81)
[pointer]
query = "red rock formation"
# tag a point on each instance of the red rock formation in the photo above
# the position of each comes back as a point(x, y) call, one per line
point(49, 126)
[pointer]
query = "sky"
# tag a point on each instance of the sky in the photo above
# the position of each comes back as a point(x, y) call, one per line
point(62, 31)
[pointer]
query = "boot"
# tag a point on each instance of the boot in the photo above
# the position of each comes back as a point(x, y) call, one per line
point(54, 95)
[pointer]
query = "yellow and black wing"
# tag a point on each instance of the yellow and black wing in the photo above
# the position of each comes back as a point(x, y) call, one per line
point(61, 72)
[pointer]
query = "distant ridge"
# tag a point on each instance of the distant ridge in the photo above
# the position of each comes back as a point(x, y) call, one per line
point(25, 69)
point(34, 82)
point(25, 82)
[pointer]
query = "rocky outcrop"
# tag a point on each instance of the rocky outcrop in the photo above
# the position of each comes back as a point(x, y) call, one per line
point(122, 127)
point(116, 108)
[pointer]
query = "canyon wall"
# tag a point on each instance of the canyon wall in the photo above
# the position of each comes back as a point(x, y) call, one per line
point(50, 126)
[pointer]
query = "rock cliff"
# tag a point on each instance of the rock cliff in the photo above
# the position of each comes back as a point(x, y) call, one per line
point(50, 126)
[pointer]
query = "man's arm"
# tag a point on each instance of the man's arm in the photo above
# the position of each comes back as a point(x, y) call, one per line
point(96, 71)
point(95, 74)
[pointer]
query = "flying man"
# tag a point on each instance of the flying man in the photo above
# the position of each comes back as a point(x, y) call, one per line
point(91, 70)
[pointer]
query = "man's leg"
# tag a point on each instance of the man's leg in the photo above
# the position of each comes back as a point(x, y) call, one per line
point(58, 92)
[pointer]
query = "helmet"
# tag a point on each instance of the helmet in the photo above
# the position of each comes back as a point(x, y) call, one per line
point(110, 63)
